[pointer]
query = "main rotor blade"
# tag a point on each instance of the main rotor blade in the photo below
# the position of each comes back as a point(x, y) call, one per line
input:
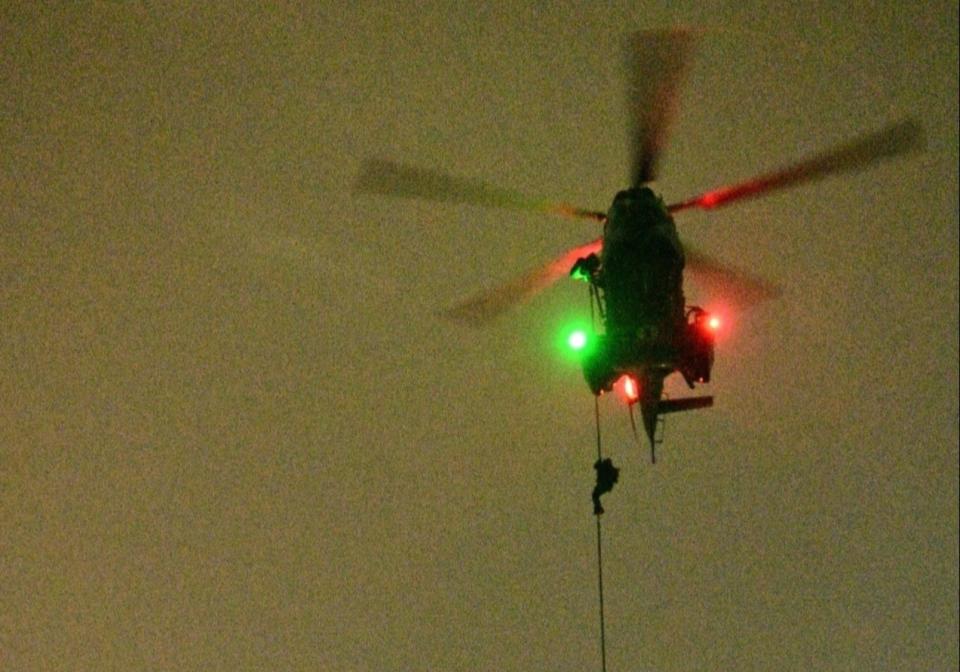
point(656, 62)
point(899, 138)
point(482, 308)
point(740, 289)
point(388, 178)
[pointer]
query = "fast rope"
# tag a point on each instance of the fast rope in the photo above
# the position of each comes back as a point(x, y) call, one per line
point(607, 475)
point(597, 514)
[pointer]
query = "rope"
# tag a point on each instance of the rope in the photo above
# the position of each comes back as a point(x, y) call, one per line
point(595, 307)
point(593, 319)
point(603, 635)
point(595, 296)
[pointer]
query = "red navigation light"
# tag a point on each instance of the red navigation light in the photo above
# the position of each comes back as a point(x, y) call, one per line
point(713, 323)
point(628, 388)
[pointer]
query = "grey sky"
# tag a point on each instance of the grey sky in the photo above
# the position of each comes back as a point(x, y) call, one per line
point(234, 436)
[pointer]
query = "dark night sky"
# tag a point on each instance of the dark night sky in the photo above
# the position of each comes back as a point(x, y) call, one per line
point(234, 436)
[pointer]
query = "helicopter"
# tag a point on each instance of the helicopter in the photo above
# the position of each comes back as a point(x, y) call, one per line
point(635, 270)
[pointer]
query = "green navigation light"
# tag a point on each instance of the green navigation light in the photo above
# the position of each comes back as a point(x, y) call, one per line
point(577, 340)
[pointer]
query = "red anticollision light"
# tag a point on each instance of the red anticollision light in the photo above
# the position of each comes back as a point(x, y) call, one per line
point(628, 388)
point(713, 323)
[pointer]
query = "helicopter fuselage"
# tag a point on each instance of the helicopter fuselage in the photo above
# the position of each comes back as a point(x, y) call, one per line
point(641, 270)
point(649, 332)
